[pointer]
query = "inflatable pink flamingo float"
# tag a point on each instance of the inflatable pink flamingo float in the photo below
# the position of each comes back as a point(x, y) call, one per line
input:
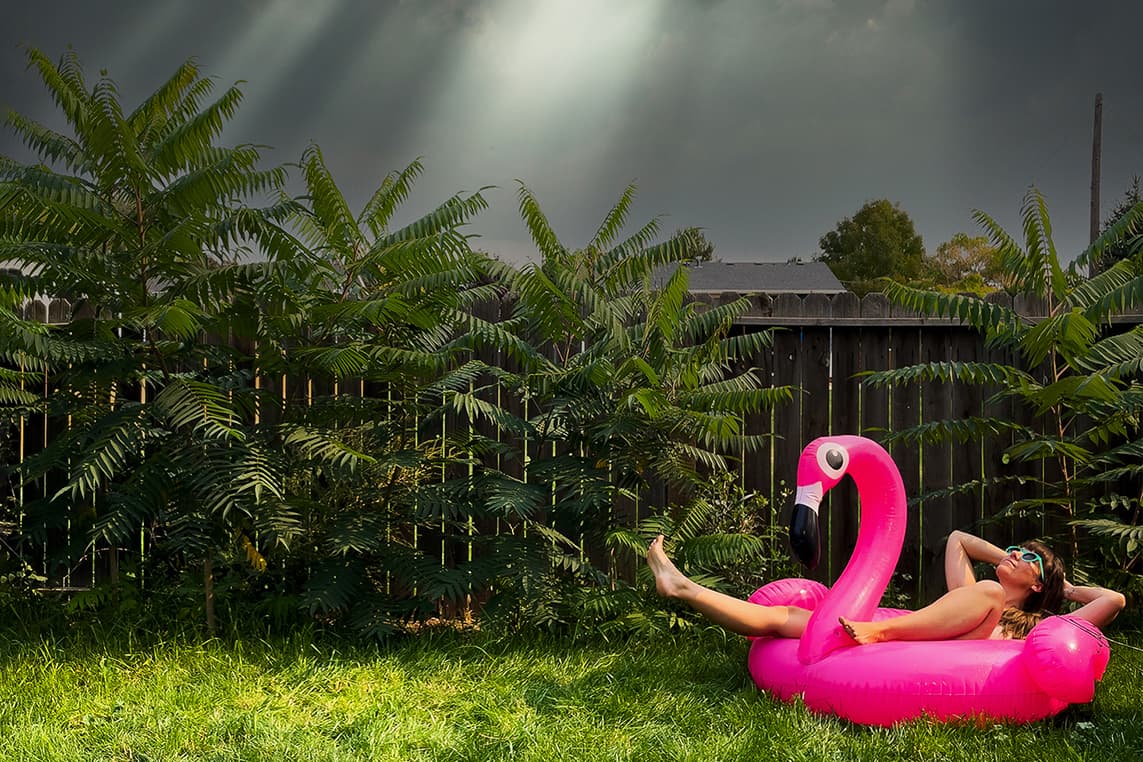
point(885, 683)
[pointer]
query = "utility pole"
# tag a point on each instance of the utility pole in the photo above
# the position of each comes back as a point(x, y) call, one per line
point(1096, 139)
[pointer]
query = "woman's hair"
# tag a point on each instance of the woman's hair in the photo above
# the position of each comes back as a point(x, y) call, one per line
point(1018, 622)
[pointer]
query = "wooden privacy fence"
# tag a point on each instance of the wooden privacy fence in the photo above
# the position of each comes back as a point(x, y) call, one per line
point(822, 344)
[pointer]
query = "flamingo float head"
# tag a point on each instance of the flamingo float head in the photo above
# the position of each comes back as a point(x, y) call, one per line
point(822, 465)
point(880, 533)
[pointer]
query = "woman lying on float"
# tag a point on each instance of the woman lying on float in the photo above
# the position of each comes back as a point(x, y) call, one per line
point(987, 649)
point(1030, 582)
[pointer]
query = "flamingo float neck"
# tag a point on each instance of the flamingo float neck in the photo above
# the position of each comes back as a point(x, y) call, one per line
point(879, 538)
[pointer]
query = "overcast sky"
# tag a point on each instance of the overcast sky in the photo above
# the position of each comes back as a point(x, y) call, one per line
point(763, 121)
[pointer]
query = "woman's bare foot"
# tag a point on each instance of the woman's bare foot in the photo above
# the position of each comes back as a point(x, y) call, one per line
point(669, 581)
point(863, 632)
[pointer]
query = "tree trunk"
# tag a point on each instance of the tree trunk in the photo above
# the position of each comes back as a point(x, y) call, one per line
point(113, 570)
point(113, 574)
point(208, 590)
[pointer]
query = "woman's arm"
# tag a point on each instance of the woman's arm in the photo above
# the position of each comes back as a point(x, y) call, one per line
point(1100, 605)
point(961, 550)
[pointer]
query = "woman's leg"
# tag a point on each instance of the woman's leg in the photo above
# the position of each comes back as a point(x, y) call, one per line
point(969, 612)
point(738, 616)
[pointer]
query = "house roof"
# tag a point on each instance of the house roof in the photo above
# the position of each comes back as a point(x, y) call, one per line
point(758, 278)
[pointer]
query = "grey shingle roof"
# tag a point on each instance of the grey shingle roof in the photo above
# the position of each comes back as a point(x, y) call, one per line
point(759, 278)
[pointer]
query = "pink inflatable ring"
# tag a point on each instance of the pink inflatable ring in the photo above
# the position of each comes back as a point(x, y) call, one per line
point(886, 683)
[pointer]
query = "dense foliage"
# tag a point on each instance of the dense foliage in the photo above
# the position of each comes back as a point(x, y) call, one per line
point(1076, 370)
point(1130, 244)
point(285, 408)
point(275, 408)
point(624, 383)
point(139, 220)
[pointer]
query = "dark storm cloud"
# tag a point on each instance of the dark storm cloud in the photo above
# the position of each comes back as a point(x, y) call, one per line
point(764, 122)
point(1028, 77)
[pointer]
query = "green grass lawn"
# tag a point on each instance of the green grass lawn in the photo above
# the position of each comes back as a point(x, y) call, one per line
point(452, 697)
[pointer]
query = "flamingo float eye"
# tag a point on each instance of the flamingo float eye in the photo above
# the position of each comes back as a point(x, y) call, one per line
point(833, 459)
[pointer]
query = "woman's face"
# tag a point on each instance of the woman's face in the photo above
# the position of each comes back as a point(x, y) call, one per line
point(1016, 571)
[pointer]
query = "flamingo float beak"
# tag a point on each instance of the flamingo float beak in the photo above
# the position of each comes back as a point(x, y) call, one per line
point(804, 538)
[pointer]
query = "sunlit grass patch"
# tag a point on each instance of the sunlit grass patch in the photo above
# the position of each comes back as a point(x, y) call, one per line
point(474, 696)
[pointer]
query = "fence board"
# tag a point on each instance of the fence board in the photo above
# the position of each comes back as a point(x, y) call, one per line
point(758, 466)
point(816, 423)
point(997, 496)
point(846, 419)
point(905, 413)
point(934, 515)
point(788, 420)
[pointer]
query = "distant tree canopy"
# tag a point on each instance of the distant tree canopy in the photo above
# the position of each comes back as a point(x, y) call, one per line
point(702, 250)
point(963, 264)
point(878, 241)
point(1131, 245)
